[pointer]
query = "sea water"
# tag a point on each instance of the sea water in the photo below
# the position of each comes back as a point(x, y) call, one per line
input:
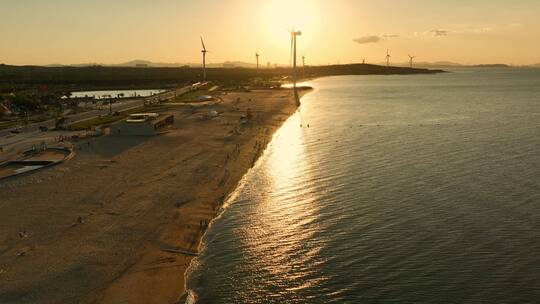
point(389, 189)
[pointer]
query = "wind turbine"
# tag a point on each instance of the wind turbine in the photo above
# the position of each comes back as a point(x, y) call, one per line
point(388, 58)
point(257, 58)
point(294, 34)
point(303, 65)
point(411, 60)
point(203, 51)
point(363, 60)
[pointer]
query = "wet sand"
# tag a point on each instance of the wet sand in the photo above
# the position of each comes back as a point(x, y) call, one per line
point(119, 222)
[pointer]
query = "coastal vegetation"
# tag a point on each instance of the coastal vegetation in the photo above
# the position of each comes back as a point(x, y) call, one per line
point(104, 119)
point(36, 93)
point(97, 76)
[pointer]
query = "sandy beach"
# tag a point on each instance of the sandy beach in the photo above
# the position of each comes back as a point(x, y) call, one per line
point(121, 221)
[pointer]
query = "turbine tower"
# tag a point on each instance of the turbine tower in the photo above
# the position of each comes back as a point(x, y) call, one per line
point(388, 58)
point(303, 66)
point(294, 34)
point(363, 60)
point(203, 51)
point(257, 58)
point(411, 58)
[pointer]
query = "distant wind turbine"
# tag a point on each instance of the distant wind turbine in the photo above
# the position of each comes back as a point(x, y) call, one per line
point(257, 58)
point(363, 60)
point(294, 34)
point(303, 65)
point(203, 51)
point(388, 58)
point(411, 58)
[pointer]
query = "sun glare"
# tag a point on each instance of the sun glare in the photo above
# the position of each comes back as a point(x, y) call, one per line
point(280, 16)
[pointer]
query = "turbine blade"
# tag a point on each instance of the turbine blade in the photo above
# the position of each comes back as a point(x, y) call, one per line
point(202, 42)
point(291, 53)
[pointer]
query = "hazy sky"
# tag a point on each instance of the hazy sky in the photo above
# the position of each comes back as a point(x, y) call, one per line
point(114, 31)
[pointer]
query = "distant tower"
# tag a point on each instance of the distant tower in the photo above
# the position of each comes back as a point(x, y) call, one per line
point(388, 58)
point(363, 60)
point(303, 66)
point(204, 51)
point(294, 35)
point(257, 58)
point(411, 58)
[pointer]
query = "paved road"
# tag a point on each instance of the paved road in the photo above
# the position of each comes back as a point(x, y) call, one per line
point(31, 135)
point(76, 117)
point(120, 106)
point(13, 145)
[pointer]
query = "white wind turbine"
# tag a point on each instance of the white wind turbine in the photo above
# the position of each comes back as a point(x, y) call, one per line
point(294, 34)
point(303, 65)
point(204, 51)
point(257, 58)
point(411, 58)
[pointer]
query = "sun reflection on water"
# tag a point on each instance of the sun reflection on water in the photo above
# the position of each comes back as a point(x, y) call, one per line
point(287, 154)
point(277, 239)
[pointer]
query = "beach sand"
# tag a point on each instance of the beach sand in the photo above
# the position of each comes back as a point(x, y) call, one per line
point(118, 223)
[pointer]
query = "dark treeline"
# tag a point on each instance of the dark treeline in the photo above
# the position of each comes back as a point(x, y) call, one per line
point(126, 76)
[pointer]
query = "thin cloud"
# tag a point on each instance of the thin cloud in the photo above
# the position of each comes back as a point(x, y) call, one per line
point(373, 38)
point(479, 30)
point(471, 30)
point(367, 39)
point(439, 33)
point(491, 28)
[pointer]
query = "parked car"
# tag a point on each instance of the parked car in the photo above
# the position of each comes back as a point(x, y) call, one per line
point(43, 128)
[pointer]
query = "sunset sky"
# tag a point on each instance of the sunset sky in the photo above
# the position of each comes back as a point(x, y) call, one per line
point(114, 31)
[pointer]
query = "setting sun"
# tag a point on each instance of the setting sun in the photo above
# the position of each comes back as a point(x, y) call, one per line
point(280, 16)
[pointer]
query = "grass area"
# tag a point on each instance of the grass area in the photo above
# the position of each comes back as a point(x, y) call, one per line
point(6, 124)
point(191, 96)
point(103, 120)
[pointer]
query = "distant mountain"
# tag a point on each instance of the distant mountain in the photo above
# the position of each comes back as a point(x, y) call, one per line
point(233, 64)
point(79, 65)
point(139, 63)
point(149, 64)
point(56, 65)
point(498, 65)
point(534, 65)
point(449, 64)
point(427, 65)
point(146, 63)
point(440, 64)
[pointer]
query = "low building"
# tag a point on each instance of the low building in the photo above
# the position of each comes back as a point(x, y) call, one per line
point(143, 124)
point(204, 98)
point(4, 111)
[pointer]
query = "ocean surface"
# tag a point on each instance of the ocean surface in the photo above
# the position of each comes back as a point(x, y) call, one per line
point(403, 189)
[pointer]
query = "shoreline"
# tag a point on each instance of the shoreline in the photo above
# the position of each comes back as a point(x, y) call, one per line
point(217, 211)
point(122, 221)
